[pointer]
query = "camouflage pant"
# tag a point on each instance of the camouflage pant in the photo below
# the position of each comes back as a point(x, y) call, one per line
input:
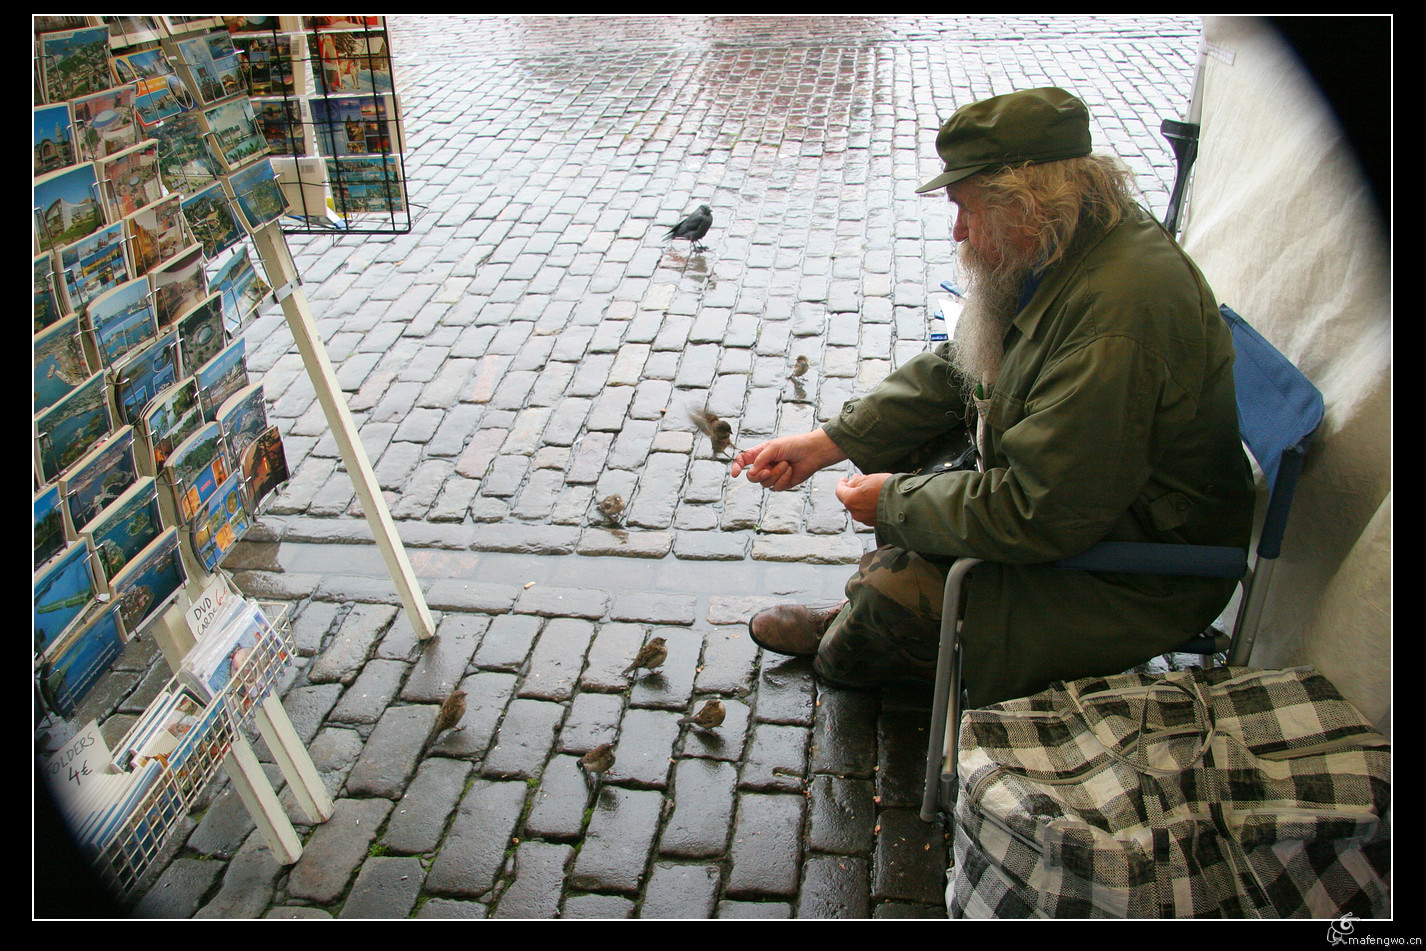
point(890, 628)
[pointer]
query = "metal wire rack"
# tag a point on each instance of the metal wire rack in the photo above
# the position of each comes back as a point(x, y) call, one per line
point(125, 858)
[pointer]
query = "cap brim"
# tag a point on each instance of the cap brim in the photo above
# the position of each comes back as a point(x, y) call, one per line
point(950, 177)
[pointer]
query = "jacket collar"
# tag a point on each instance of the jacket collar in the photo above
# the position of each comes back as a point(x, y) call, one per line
point(1044, 288)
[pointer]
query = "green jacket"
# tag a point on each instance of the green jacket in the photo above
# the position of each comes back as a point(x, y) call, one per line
point(1113, 417)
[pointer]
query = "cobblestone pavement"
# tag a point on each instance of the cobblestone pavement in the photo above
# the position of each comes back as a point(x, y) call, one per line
point(531, 346)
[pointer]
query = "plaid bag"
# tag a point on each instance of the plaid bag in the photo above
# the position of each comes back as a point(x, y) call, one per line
point(1222, 792)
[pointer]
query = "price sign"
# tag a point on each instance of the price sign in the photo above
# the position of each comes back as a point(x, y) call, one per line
point(83, 758)
point(208, 607)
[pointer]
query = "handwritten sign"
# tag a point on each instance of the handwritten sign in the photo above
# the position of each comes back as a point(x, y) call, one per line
point(83, 759)
point(208, 607)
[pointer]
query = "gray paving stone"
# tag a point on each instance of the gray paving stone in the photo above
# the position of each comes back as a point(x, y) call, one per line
point(385, 887)
point(473, 852)
point(336, 849)
point(539, 881)
point(419, 817)
point(618, 841)
point(765, 857)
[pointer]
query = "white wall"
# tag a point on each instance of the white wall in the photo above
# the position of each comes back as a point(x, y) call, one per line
point(1286, 230)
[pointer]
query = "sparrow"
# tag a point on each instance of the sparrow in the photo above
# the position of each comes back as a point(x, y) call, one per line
point(452, 710)
point(709, 717)
point(595, 764)
point(718, 431)
point(612, 506)
point(800, 369)
point(694, 227)
point(652, 655)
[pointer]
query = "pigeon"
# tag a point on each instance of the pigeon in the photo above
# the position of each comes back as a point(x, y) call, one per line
point(452, 710)
point(719, 431)
point(710, 716)
point(694, 227)
point(612, 506)
point(653, 654)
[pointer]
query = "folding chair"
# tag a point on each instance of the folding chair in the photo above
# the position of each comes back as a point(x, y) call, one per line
point(1278, 412)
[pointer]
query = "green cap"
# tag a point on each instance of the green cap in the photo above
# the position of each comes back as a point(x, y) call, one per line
point(1033, 125)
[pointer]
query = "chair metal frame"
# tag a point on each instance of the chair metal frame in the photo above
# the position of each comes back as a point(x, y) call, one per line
point(1279, 411)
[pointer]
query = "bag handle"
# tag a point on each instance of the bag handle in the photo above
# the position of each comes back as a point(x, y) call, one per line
point(1204, 727)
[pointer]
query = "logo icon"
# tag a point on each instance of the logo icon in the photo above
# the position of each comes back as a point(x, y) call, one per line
point(1338, 930)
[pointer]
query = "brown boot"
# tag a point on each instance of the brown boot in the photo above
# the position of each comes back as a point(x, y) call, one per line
point(794, 629)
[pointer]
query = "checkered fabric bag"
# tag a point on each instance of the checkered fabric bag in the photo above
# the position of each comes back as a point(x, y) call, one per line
point(1225, 792)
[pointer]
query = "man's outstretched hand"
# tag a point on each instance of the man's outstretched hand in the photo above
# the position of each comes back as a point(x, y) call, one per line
point(787, 461)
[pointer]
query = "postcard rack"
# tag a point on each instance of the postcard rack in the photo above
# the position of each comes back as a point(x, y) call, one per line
point(139, 840)
point(358, 186)
point(105, 398)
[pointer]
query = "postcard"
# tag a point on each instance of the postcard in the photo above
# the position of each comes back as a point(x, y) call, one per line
point(221, 377)
point(132, 29)
point(257, 194)
point(158, 100)
point(47, 305)
point(148, 582)
point(74, 62)
point(235, 133)
point(54, 138)
point(78, 660)
point(169, 418)
point(242, 290)
point(100, 477)
point(187, 164)
point(210, 217)
point(356, 125)
point(221, 520)
point(276, 62)
point(200, 333)
point(94, 265)
point(71, 427)
point(59, 362)
point(130, 179)
point(122, 321)
point(105, 123)
point(281, 123)
point(351, 62)
point(303, 180)
point(367, 185)
point(264, 467)
point(64, 588)
point(67, 206)
point(157, 233)
point(49, 532)
point(243, 417)
point(196, 468)
point(125, 527)
point(144, 374)
point(178, 285)
point(214, 69)
point(150, 66)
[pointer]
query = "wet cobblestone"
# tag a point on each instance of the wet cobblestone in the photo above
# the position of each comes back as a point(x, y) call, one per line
point(531, 346)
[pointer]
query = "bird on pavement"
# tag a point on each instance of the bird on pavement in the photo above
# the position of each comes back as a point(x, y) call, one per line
point(596, 763)
point(652, 655)
point(800, 368)
point(710, 716)
point(612, 506)
point(694, 227)
point(718, 431)
point(452, 710)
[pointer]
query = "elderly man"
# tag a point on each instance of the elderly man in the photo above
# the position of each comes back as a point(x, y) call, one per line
point(1092, 370)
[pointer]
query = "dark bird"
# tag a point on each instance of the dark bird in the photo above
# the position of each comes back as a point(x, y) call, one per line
point(694, 227)
point(452, 710)
point(800, 368)
point(612, 506)
point(710, 716)
point(653, 654)
point(718, 431)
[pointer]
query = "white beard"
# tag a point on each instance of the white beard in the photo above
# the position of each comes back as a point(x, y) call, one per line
point(992, 300)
